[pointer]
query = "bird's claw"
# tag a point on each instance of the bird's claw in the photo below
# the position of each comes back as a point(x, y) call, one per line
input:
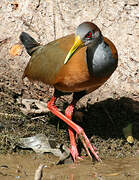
point(87, 145)
point(75, 154)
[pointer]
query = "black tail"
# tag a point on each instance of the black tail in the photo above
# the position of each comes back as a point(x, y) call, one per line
point(29, 43)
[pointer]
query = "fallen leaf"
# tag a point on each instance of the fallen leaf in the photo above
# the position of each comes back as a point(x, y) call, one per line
point(28, 103)
point(16, 50)
point(42, 144)
point(127, 131)
point(113, 174)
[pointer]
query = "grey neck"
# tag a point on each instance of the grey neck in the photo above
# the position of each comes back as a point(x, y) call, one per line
point(99, 59)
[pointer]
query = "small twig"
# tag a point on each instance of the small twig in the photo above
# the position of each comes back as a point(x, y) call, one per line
point(4, 41)
point(10, 115)
point(39, 117)
point(39, 172)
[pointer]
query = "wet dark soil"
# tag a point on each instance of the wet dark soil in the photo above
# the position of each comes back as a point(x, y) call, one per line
point(23, 167)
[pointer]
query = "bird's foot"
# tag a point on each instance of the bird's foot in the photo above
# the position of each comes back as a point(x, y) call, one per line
point(87, 144)
point(75, 154)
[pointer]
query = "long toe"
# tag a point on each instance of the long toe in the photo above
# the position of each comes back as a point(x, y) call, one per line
point(75, 154)
point(87, 145)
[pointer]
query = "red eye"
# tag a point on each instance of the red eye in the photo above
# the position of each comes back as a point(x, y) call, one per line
point(89, 35)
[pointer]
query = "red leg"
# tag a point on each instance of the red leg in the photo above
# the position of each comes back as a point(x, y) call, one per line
point(73, 149)
point(78, 129)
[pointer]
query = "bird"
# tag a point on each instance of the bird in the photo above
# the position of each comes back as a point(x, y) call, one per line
point(76, 64)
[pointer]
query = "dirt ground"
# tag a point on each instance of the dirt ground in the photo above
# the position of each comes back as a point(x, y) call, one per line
point(105, 112)
point(18, 167)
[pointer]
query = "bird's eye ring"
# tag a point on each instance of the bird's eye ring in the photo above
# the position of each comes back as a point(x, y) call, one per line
point(88, 35)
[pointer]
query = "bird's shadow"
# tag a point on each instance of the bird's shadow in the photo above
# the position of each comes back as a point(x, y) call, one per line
point(108, 118)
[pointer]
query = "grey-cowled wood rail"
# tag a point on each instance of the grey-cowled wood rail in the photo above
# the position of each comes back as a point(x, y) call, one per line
point(77, 64)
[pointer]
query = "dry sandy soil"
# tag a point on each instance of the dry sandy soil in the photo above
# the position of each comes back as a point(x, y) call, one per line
point(107, 110)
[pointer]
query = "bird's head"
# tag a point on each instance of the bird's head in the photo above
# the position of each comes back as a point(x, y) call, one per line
point(87, 34)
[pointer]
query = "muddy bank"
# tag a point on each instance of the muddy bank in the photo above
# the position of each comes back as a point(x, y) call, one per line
point(24, 167)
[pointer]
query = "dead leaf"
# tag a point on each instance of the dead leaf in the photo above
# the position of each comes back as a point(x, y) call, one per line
point(16, 50)
point(28, 103)
point(42, 144)
point(127, 131)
